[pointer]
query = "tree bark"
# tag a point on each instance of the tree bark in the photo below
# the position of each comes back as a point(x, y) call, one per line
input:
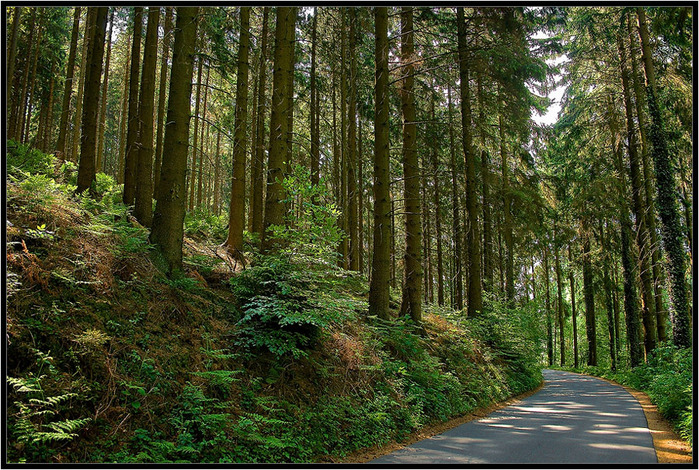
point(12, 55)
point(549, 320)
point(571, 277)
point(68, 88)
point(475, 293)
point(639, 206)
point(75, 142)
point(168, 217)
point(167, 33)
point(123, 117)
point(667, 200)
point(279, 142)
point(131, 160)
point(257, 178)
point(236, 220)
point(456, 225)
point(561, 311)
point(88, 142)
point(352, 219)
point(380, 273)
point(103, 103)
point(143, 210)
point(195, 145)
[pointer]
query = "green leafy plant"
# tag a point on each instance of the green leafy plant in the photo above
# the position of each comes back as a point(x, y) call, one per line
point(23, 161)
point(290, 296)
point(37, 419)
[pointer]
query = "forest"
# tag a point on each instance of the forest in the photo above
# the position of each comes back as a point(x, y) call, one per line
point(292, 234)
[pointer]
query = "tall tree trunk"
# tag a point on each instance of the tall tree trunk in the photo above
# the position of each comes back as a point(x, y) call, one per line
point(561, 311)
point(279, 122)
point(75, 142)
point(131, 160)
point(475, 293)
point(257, 178)
point(123, 117)
point(27, 114)
point(609, 304)
point(411, 303)
point(168, 217)
point(633, 320)
point(162, 92)
point(195, 144)
point(589, 294)
point(571, 277)
point(17, 117)
point(48, 129)
point(437, 210)
point(352, 219)
point(549, 319)
point(650, 213)
point(68, 88)
point(507, 214)
point(103, 103)
point(667, 200)
point(236, 219)
point(315, 134)
point(144, 170)
point(202, 141)
point(456, 225)
point(12, 56)
point(639, 207)
point(380, 273)
point(217, 175)
point(88, 143)
point(343, 202)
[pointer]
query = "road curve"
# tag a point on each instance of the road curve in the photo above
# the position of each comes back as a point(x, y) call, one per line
point(573, 419)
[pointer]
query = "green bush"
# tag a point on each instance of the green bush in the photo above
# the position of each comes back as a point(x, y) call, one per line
point(23, 160)
point(288, 297)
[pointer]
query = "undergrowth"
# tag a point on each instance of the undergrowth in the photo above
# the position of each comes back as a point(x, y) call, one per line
point(110, 361)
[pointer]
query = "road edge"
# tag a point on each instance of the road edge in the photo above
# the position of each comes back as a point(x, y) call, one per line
point(371, 453)
point(669, 447)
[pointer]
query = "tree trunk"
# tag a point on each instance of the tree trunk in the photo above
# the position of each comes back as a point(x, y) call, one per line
point(88, 143)
point(27, 114)
point(202, 141)
point(236, 220)
point(12, 56)
point(549, 320)
point(571, 277)
point(589, 293)
point(667, 200)
point(195, 145)
point(609, 304)
point(315, 134)
point(437, 211)
point(352, 219)
point(123, 117)
point(456, 225)
point(168, 217)
point(75, 142)
point(411, 303)
point(650, 213)
point(279, 122)
point(68, 88)
point(162, 92)
point(380, 271)
point(475, 293)
point(144, 170)
point(217, 176)
point(507, 226)
point(561, 311)
point(103, 103)
point(633, 326)
point(17, 118)
point(131, 160)
point(257, 178)
point(639, 207)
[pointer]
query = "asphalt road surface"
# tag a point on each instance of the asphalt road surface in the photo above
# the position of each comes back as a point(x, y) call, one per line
point(573, 419)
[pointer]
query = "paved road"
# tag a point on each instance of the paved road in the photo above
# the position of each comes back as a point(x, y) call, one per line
point(572, 419)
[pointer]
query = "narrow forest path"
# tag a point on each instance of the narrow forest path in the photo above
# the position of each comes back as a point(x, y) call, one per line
point(573, 419)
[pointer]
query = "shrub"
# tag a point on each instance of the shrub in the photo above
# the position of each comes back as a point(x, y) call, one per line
point(22, 161)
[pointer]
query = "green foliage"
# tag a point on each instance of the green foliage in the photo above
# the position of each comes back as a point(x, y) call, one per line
point(203, 226)
point(23, 161)
point(290, 296)
point(37, 419)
